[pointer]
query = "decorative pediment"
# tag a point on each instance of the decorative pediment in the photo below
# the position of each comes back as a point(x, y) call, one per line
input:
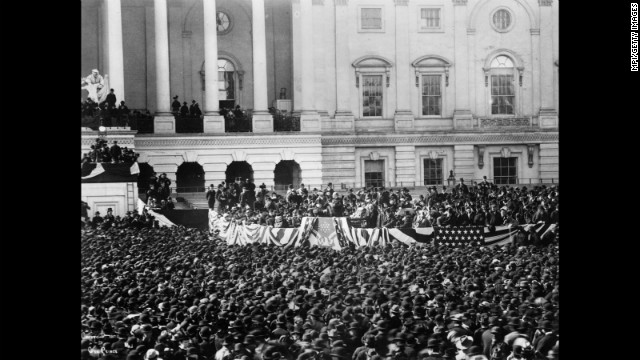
point(372, 61)
point(429, 61)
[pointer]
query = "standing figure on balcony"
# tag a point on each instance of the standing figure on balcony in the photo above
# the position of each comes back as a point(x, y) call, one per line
point(175, 105)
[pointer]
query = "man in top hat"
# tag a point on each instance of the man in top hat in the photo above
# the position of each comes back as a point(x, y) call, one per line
point(116, 152)
point(111, 100)
point(211, 196)
point(175, 105)
point(97, 220)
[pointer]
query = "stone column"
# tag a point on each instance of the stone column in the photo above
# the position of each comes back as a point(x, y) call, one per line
point(463, 165)
point(320, 67)
point(163, 122)
point(309, 117)
point(115, 59)
point(549, 160)
point(462, 112)
point(535, 70)
point(213, 122)
point(344, 72)
point(548, 117)
point(406, 166)
point(262, 120)
point(403, 117)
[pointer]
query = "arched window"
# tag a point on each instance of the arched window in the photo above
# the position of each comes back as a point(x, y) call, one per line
point(503, 93)
point(226, 83)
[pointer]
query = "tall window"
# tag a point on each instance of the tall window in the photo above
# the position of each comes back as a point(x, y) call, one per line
point(433, 172)
point(505, 170)
point(502, 86)
point(374, 173)
point(429, 18)
point(371, 18)
point(226, 84)
point(372, 95)
point(431, 95)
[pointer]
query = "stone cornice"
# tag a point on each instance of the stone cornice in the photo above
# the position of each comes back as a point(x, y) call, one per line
point(459, 2)
point(545, 2)
point(173, 142)
point(445, 139)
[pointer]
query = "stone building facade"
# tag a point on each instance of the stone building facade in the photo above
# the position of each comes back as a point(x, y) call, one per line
point(397, 93)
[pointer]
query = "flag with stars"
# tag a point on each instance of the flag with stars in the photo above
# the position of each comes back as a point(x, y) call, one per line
point(459, 236)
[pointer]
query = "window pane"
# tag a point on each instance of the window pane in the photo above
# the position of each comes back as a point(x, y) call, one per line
point(374, 172)
point(431, 91)
point(372, 95)
point(371, 18)
point(432, 171)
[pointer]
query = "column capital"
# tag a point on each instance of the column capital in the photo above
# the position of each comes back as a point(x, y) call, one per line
point(534, 31)
point(318, 2)
point(471, 31)
point(401, 2)
point(545, 2)
point(342, 2)
point(459, 2)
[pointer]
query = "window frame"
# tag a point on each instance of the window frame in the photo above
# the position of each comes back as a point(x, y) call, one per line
point(424, 169)
point(382, 18)
point(431, 30)
point(518, 74)
point(383, 172)
point(442, 92)
point(511, 14)
point(505, 72)
point(382, 95)
point(515, 167)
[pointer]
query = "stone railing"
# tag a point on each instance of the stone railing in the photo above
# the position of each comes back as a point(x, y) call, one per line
point(504, 122)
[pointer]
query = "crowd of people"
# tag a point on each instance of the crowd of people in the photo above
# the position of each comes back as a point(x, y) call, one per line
point(101, 153)
point(483, 204)
point(185, 110)
point(107, 112)
point(159, 193)
point(177, 293)
point(131, 220)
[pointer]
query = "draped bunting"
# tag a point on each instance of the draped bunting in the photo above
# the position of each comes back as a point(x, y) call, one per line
point(337, 233)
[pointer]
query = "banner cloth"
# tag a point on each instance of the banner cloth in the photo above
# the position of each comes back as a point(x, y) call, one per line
point(336, 233)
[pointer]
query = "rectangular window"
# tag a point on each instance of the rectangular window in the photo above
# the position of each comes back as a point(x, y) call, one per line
point(433, 172)
point(431, 95)
point(505, 170)
point(502, 94)
point(429, 18)
point(371, 95)
point(371, 18)
point(374, 173)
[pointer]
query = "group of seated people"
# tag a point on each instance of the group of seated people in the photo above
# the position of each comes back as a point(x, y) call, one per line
point(177, 294)
point(101, 153)
point(484, 204)
point(130, 220)
point(159, 193)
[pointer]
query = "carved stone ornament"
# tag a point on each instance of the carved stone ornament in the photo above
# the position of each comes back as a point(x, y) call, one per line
point(481, 150)
point(530, 149)
point(432, 155)
point(460, 2)
point(374, 155)
point(401, 2)
point(505, 122)
point(545, 2)
point(505, 152)
point(342, 2)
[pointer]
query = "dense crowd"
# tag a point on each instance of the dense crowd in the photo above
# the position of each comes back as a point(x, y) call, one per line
point(131, 220)
point(159, 193)
point(108, 112)
point(101, 153)
point(175, 293)
point(483, 204)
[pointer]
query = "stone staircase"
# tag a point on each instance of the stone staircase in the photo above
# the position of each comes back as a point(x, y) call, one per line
point(192, 200)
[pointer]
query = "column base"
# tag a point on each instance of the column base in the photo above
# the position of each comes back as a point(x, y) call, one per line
point(262, 122)
point(164, 123)
point(309, 121)
point(213, 124)
point(403, 120)
point(462, 119)
point(344, 121)
point(548, 118)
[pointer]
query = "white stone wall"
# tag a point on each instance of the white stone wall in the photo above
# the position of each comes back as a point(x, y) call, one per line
point(121, 197)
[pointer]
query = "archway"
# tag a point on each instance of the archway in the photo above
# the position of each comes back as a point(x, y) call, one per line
point(190, 178)
point(286, 172)
point(146, 171)
point(239, 169)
